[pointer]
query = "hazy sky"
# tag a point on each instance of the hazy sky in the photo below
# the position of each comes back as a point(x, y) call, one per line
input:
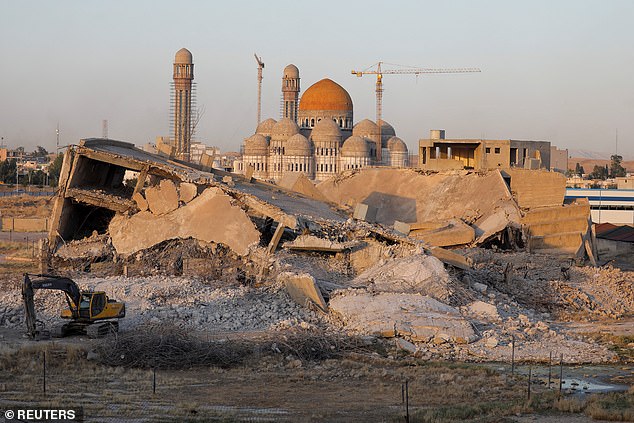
point(559, 71)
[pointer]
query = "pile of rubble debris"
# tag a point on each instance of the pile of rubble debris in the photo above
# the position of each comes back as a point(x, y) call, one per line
point(366, 252)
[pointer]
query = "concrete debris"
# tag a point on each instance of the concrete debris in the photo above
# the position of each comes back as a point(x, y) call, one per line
point(382, 231)
point(441, 233)
point(163, 198)
point(414, 316)
point(140, 201)
point(365, 212)
point(210, 217)
point(414, 274)
point(298, 182)
point(313, 243)
point(187, 192)
point(303, 289)
point(405, 345)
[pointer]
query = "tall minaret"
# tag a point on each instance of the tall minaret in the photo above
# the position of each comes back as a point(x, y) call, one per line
point(182, 95)
point(290, 92)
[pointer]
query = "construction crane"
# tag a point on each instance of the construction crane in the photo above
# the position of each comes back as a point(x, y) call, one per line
point(260, 67)
point(376, 69)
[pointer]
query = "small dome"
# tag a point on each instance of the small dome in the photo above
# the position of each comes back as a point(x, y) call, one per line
point(386, 129)
point(183, 56)
point(326, 127)
point(365, 128)
point(256, 145)
point(396, 145)
point(326, 95)
point(355, 146)
point(284, 128)
point(291, 71)
point(298, 145)
point(265, 127)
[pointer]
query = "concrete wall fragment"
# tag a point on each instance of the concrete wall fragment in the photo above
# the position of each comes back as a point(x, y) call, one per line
point(163, 198)
point(209, 217)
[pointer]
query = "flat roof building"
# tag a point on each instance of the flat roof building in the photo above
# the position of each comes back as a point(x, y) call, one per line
point(440, 153)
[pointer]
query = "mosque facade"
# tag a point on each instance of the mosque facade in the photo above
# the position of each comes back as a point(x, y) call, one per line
point(316, 135)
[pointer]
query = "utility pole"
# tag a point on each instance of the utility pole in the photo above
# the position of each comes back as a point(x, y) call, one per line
point(57, 140)
point(104, 128)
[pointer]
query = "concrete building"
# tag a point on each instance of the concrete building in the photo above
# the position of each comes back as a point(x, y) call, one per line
point(182, 101)
point(440, 153)
point(316, 135)
point(558, 159)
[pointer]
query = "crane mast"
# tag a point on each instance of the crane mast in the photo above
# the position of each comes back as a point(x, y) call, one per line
point(379, 72)
point(260, 67)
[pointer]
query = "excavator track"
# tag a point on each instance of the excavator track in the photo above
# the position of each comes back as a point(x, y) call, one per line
point(99, 330)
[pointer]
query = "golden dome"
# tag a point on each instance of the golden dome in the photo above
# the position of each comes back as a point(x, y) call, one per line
point(326, 95)
point(183, 56)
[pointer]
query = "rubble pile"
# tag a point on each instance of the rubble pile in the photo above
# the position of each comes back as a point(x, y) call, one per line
point(244, 255)
point(186, 302)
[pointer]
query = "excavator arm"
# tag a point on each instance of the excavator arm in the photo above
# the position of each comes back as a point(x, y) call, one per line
point(66, 285)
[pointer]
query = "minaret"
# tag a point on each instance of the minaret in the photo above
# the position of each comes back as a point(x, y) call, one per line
point(290, 92)
point(182, 99)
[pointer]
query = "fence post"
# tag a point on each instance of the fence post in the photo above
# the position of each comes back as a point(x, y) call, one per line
point(44, 372)
point(154, 380)
point(550, 366)
point(512, 355)
point(561, 373)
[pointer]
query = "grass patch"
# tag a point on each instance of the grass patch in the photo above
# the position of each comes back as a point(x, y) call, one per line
point(619, 344)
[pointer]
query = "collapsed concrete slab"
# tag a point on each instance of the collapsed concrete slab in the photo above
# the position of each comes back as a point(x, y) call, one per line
point(303, 289)
point(210, 217)
point(536, 188)
point(419, 273)
point(414, 316)
point(443, 234)
point(313, 243)
point(163, 198)
point(298, 182)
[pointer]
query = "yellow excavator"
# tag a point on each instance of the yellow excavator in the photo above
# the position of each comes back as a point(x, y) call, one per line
point(90, 312)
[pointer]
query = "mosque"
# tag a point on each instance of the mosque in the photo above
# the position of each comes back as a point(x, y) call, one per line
point(316, 135)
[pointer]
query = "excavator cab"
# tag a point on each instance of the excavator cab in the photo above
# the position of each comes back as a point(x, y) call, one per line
point(91, 304)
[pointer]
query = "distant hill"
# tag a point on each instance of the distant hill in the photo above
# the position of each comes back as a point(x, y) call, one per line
point(589, 163)
point(595, 155)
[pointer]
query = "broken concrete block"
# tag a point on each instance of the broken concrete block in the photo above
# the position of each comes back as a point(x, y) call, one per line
point(188, 191)
point(210, 217)
point(480, 308)
point(313, 243)
point(406, 346)
point(228, 180)
point(365, 212)
point(402, 227)
point(140, 201)
point(453, 232)
point(302, 289)
point(454, 259)
point(416, 316)
point(298, 182)
point(420, 273)
point(163, 198)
